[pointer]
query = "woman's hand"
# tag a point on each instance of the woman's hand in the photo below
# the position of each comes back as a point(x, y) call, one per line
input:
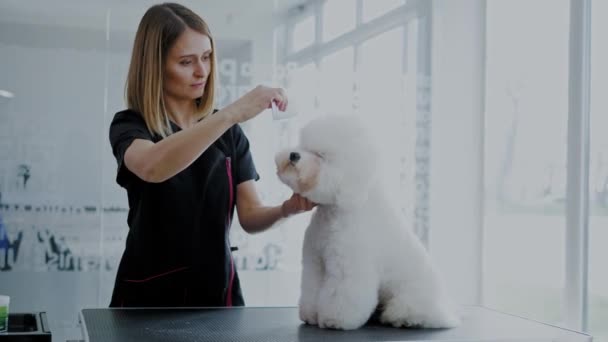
point(295, 205)
point(255, 101)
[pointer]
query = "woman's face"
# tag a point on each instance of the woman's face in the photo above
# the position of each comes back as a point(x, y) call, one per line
point(187, 66)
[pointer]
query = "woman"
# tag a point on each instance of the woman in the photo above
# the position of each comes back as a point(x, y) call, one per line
point(185, 167)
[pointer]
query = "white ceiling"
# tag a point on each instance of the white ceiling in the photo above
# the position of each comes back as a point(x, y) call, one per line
point(82, 24)
point(93, 13)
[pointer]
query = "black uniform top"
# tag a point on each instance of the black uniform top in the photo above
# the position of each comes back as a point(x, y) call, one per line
point(177, 250)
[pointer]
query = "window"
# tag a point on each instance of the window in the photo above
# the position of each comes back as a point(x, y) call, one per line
point(337, 82)
point(381, 99)
point(525, 157)
point(375, 74)
point(303, 85)
point(339, 17)
point(598, 178)
point(304, 33)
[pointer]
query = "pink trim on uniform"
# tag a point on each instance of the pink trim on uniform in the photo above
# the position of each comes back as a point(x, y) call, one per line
point(230, 185)
point(156, 276)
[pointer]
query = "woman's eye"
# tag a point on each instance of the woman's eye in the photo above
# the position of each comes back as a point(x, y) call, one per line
point(206, 58)
point(186, 62)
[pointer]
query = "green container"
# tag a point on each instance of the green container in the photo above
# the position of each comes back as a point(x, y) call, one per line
point(3, 319)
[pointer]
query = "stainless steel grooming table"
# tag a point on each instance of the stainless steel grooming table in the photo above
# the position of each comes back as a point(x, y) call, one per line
point(270, 324)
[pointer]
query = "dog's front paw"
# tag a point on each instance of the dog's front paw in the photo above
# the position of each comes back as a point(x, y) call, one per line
point(333, 319)
point(308, 315)
point(397, 317)
point(339, 323)
point(328, 323)
point(405, 316)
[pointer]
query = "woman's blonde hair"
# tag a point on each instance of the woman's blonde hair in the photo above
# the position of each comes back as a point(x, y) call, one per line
point(158, 30)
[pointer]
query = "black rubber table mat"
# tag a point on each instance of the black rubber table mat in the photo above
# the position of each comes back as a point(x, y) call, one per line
point(272, 324)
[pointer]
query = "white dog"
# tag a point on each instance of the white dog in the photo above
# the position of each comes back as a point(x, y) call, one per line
point(358, 255)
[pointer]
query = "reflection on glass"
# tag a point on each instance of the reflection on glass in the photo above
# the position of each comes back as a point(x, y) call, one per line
point(598, 178)
point(525, 157)
point(339, 17)
point(51, 159)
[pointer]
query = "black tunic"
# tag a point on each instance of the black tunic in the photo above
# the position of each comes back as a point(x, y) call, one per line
point(178, 251)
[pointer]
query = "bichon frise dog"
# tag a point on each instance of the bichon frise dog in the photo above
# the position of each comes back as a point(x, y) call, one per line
point(358, 255)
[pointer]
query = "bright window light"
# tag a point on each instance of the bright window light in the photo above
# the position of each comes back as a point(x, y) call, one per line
point(6, 93)
point(525, 157)
point(337, 79)
point(338, 18)
point(304, 33)
point(381, 99)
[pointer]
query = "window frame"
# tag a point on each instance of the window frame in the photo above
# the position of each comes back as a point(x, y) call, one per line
point(398, 17)
point(576, 306)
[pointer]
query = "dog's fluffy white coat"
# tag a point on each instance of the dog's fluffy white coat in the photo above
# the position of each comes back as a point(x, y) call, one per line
point(358, 254)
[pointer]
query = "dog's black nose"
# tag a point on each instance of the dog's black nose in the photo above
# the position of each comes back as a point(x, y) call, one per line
point(294, 157)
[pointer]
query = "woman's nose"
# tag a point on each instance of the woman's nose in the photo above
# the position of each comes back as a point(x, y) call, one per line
point(201, 70)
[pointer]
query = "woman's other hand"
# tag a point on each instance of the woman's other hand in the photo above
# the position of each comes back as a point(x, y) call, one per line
point(295, 205)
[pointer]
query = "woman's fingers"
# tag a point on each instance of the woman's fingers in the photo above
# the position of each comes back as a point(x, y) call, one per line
point(256, 101)
point(310, 205)
point(296, 204)
point(303, 203)
point(282, 99)
point(279, 98)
